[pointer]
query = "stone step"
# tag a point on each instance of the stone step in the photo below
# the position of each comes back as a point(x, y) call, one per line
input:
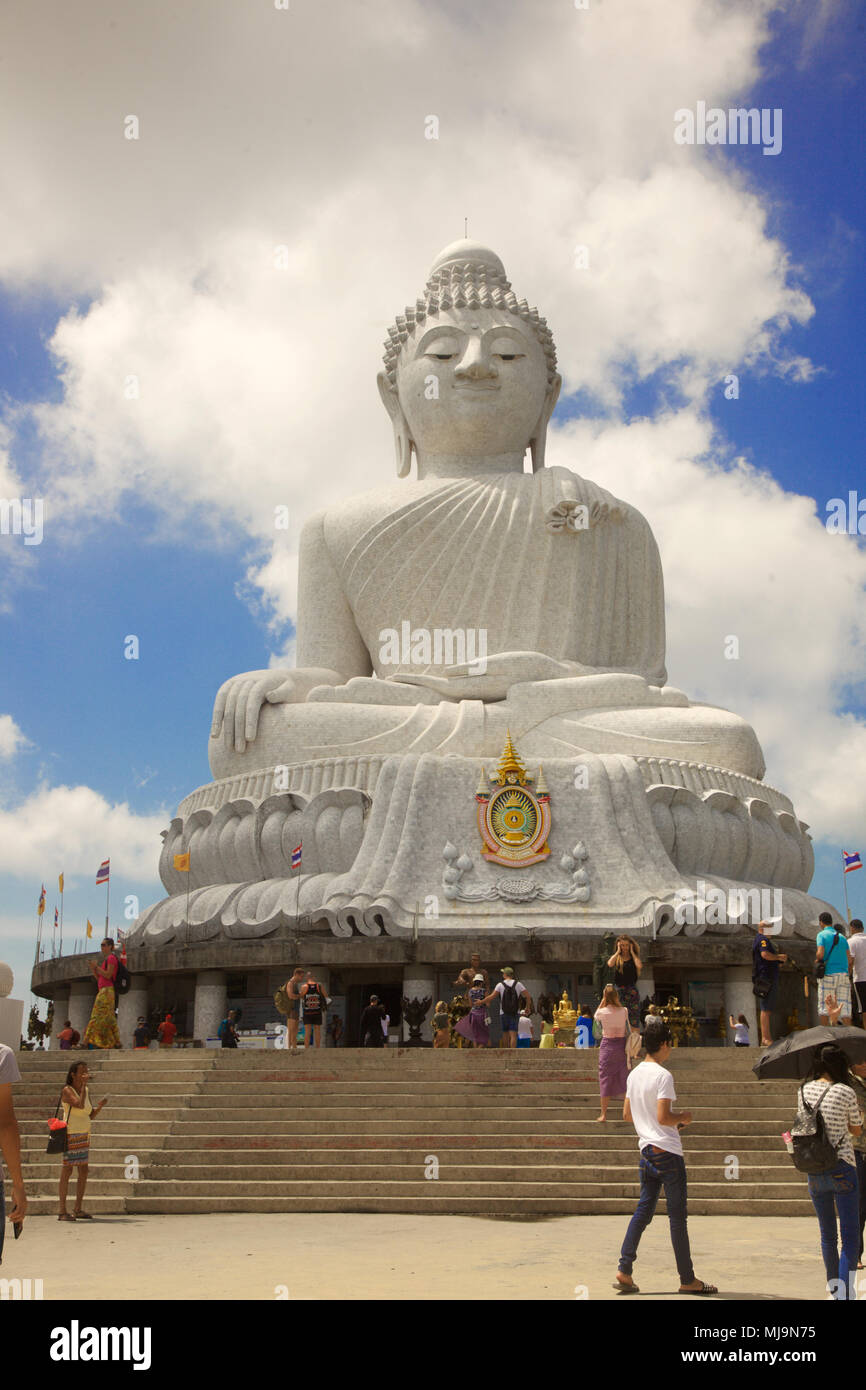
point(585, 1184)
point(450, 1206)
point(309, 1091)
point(502, 1169)
point(619, 1140)
point(46, 1204)
point(374, 1165)
point(462, 1124)
point(522, 1205)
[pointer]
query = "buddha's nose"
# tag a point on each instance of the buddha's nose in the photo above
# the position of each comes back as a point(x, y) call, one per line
point(475, 364)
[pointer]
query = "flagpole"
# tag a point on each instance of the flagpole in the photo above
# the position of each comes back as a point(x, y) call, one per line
point(845, 887)
point(107, 897)
point(61, 915)
point(188, 884)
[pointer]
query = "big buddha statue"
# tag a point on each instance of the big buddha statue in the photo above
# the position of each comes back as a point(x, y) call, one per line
point(563, 579)
point(484, 602)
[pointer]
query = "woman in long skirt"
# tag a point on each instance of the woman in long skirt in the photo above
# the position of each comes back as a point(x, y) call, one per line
point(473, 1026)
point(626, 965)
point(101, 1030)
point(612, 1060)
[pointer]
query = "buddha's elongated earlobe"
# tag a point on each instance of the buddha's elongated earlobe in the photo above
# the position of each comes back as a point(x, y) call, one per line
point(538, 441)
point(402, 437)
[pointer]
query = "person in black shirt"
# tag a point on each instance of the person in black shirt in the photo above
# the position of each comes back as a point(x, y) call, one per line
point(765, 979)
point(371, 1024)
point(141, 1036)
point(627, 965)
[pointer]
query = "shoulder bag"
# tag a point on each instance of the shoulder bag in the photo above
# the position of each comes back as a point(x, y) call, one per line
point(58, 1137)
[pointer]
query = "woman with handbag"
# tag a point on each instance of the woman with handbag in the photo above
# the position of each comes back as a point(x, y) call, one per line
point(835, 1189)
point(78, 1114)
point(101, 1030)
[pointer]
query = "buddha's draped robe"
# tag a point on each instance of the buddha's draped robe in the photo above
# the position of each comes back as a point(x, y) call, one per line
point(481, 554)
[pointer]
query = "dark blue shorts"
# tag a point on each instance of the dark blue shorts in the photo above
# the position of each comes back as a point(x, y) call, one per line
point(771, 1002)
point(509, 1023)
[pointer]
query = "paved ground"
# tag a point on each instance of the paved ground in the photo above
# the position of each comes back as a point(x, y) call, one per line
point(259, 1256)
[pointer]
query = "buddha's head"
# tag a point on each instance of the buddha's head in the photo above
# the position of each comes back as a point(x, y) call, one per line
point(470, 371)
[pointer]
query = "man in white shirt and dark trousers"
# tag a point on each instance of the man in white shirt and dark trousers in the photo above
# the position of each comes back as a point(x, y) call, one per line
point(649, 1094)
point(857, 950)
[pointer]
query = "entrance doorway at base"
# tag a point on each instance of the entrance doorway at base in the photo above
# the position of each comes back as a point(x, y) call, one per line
point(357, 999)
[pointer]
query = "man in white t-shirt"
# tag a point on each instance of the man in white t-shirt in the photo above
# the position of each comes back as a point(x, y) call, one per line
point(509, 991)
point(649, 1096)
point(10, 1143)
point(857, 949)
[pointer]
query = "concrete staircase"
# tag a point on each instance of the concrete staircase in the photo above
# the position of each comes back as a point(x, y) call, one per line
point(356, 1130)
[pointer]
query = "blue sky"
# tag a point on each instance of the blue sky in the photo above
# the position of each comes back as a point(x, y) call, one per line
point(171, 560)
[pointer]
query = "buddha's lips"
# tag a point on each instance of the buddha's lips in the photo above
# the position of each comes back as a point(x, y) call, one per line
point(476, 386)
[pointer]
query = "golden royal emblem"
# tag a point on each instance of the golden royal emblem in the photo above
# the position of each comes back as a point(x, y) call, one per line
point(513, 820)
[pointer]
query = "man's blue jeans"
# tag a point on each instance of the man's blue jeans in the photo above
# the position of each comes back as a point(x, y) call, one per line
point(658, 1170)
point(837, 1190)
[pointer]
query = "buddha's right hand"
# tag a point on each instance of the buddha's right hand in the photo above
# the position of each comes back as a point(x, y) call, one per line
point(239, 700)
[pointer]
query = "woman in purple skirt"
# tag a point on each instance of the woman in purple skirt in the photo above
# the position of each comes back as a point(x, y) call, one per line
point(612, 1061)
point(473, 1027)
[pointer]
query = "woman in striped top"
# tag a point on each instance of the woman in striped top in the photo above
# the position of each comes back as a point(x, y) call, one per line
point(836, 1189)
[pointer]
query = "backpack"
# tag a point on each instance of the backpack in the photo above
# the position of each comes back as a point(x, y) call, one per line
point(510, 1000)
point(812, 1152)
point(281, 1000)
point(122, 980)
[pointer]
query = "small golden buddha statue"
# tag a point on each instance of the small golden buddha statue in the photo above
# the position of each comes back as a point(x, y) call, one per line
point(564, 1021)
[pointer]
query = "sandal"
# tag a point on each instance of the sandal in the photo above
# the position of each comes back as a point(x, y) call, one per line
point(65, 1216)
point(82, 1216)
point(703, 1292)
point(626, 1288)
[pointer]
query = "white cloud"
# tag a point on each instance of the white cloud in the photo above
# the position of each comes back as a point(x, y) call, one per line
point(743, 558)
point(12, 740)
point(74, 829)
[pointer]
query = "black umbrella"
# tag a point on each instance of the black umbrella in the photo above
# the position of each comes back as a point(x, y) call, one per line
point(793, 1057)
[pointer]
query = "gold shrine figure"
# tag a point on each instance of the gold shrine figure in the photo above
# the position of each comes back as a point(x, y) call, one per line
point(514, 821)
point(564, 1021)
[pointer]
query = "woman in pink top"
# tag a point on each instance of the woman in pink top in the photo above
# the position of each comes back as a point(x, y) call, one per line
point(101, 1030)
point(612, 1063)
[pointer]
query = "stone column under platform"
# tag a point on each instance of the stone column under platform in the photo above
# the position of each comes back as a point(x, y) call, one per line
point(130, 1006)
point(210, 1003)
point(739, 999)
point(419, 982)
point(82, 997)
point(61, 1011)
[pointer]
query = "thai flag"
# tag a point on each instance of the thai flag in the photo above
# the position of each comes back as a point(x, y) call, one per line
point(56, 919)
point(102, 875)
point(852, 861)
point(296, 857)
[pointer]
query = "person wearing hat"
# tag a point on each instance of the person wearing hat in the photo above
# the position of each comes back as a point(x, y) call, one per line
point(509, 991)
point(473, 1026)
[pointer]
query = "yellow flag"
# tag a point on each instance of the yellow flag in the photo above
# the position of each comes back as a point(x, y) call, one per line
point(181, 862)
point(89, 927)
point(60, 881)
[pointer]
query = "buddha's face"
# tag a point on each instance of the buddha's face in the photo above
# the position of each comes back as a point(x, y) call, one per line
point(473, 382)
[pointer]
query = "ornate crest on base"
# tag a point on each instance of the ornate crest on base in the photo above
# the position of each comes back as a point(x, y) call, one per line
point(513, 821)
